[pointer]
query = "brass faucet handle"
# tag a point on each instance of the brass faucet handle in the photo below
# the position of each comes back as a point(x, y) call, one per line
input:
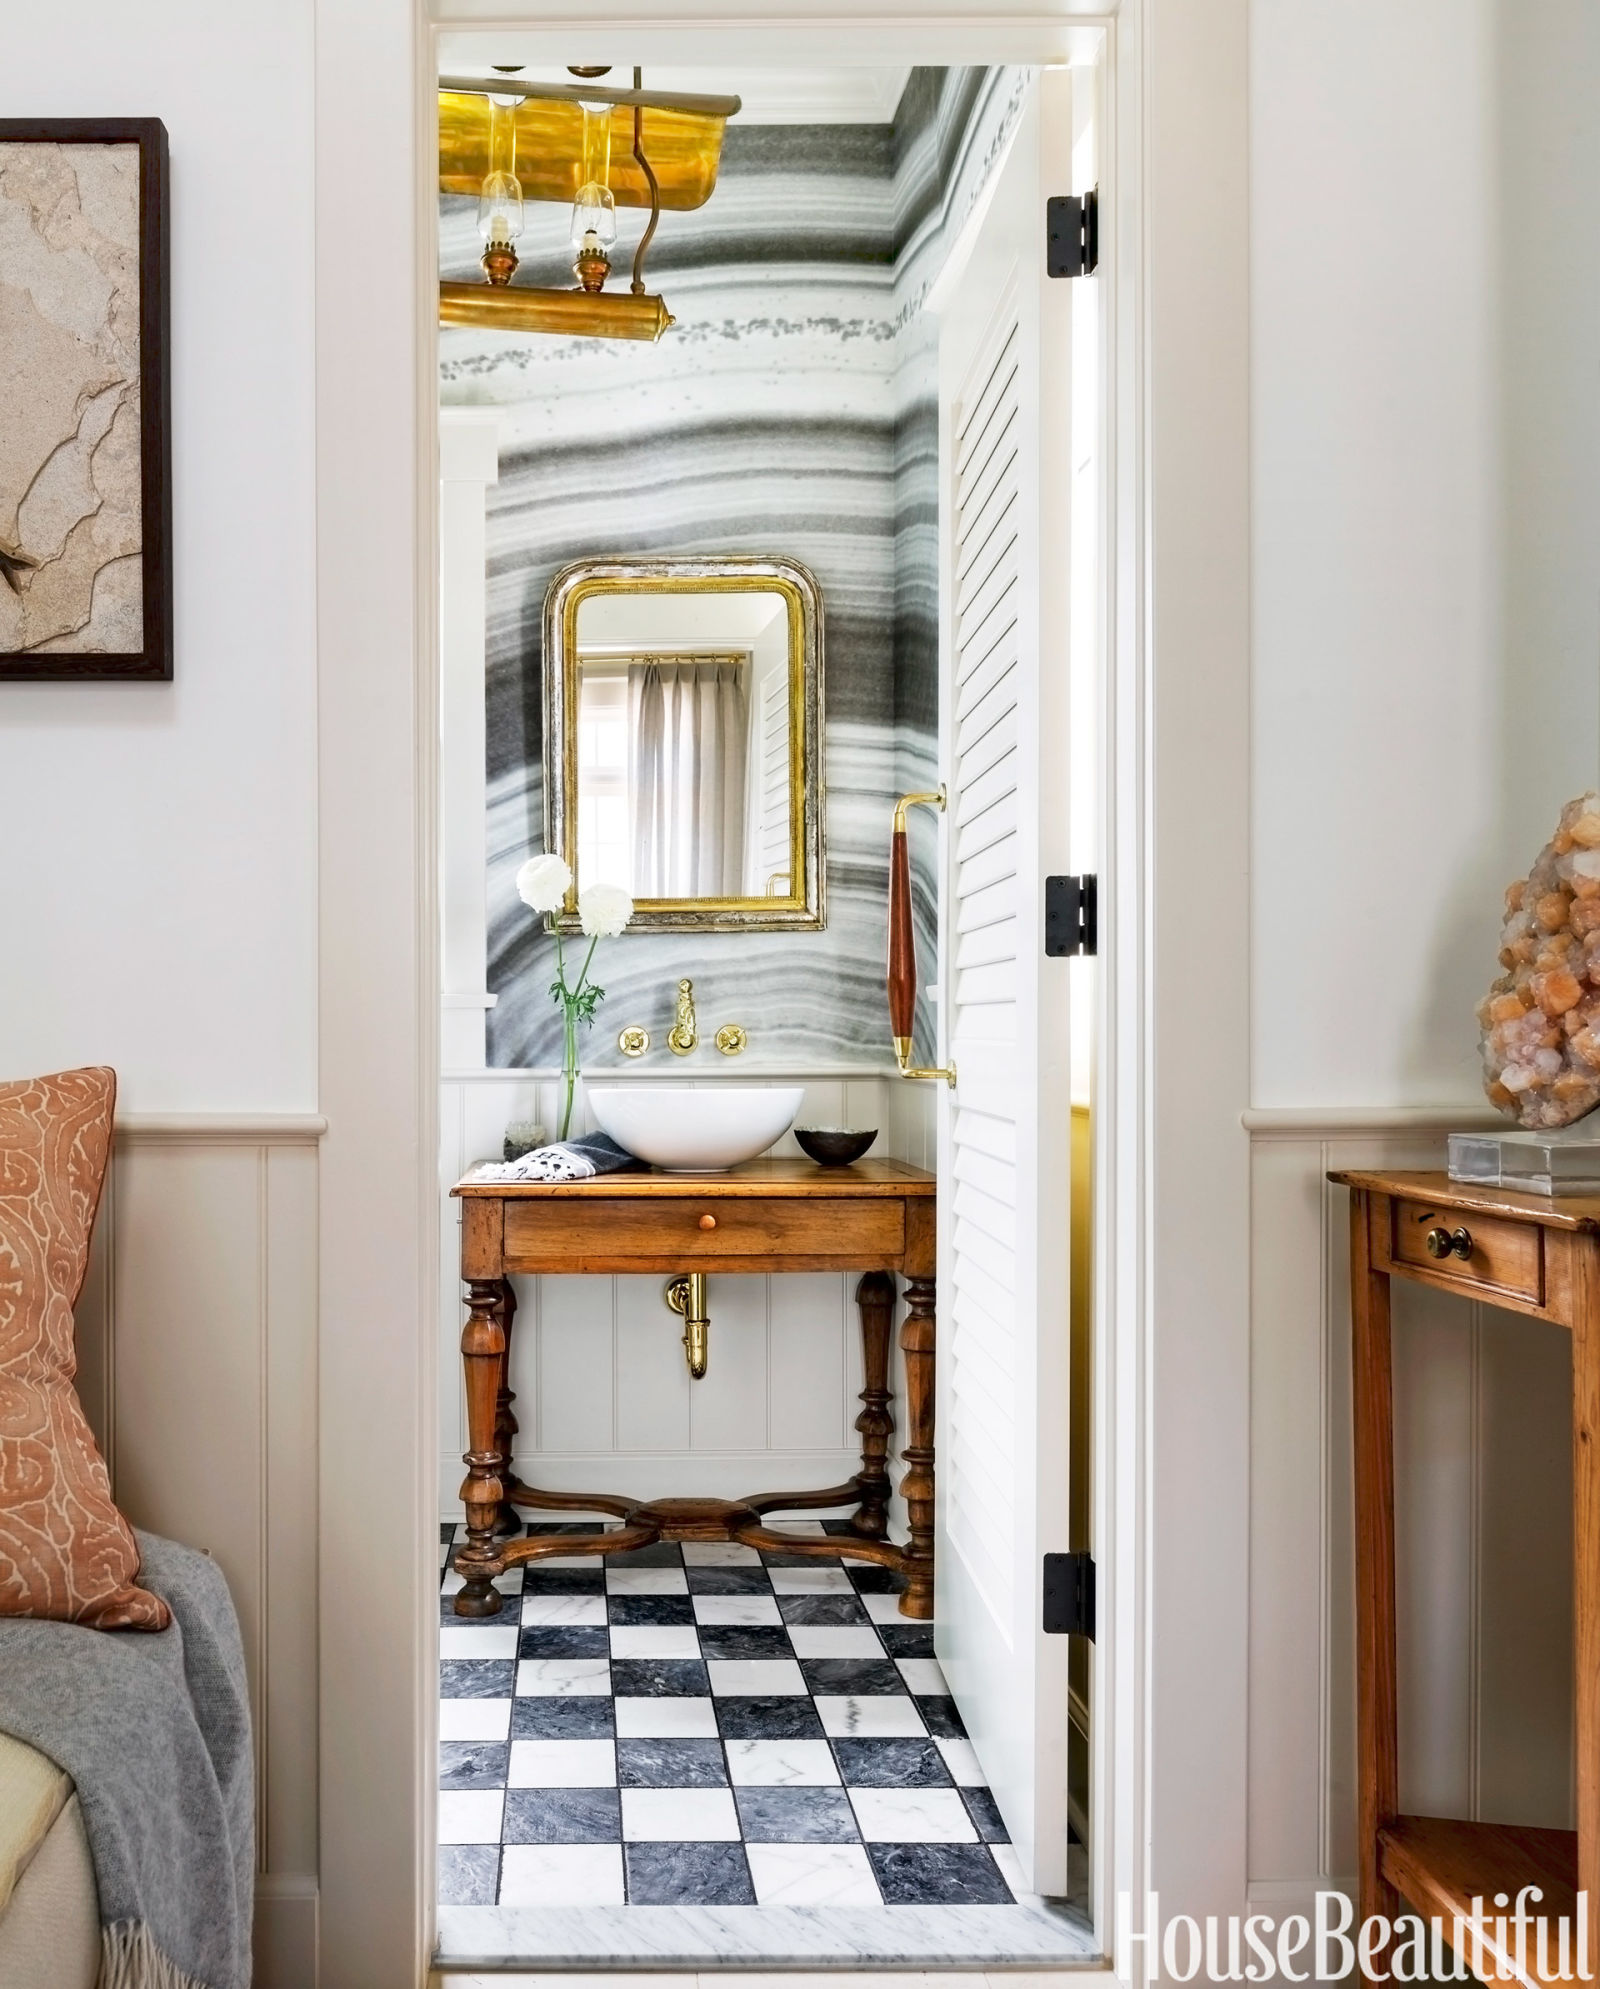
point(684, 1034)
point(634, 1041)
point(731, 1039)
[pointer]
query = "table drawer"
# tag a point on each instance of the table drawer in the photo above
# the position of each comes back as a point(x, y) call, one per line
point(685, 1229)
point(1504, 1256)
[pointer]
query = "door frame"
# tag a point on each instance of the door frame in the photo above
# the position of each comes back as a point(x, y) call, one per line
point(1172, 1219)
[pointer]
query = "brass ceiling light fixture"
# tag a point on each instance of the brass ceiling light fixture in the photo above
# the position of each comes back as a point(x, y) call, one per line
point(511, 141)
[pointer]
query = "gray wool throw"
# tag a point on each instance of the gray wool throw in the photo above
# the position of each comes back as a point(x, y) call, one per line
point(154, 1728)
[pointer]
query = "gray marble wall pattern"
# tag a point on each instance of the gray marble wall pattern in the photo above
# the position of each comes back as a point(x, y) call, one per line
point(772, 418)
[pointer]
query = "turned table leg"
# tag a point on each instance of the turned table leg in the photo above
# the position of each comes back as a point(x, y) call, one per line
point(509, 1520)
point(483, 1346)
point(917, 1344)
point(875, 1298)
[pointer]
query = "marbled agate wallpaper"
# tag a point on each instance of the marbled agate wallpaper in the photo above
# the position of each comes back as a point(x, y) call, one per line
point(71, 531)
point(791, 410)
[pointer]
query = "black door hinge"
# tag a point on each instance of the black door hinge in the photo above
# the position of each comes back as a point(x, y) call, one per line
point(1071, 917)
point(1069, 1595)
point(1072, 233)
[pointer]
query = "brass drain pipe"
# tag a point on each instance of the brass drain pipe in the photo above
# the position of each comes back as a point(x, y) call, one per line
point(687, 1297)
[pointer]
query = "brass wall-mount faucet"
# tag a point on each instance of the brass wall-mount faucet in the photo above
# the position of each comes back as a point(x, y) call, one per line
point(684, 1034)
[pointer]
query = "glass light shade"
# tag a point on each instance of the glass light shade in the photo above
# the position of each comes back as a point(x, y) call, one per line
point(500, 209)
point(594, 212)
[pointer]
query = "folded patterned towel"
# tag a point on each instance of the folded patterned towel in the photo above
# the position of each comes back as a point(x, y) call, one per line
point(566, 1160)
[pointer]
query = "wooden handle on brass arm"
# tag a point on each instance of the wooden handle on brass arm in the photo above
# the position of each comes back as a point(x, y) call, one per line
point(903, 940)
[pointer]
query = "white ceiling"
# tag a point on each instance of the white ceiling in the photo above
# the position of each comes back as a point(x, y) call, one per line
point(770, 96)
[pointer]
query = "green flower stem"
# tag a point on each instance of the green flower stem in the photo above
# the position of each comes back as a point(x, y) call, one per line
point(568, 998)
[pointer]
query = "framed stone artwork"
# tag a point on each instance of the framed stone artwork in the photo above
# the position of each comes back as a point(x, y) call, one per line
point(85, 403)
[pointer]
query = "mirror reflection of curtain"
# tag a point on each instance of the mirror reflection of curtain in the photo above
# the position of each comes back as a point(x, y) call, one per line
point(687, 748)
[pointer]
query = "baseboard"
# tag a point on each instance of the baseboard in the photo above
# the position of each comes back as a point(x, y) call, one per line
point(286, 1931)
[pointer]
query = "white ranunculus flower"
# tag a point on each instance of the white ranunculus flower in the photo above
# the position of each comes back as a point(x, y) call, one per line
point(603, 910)
point(543, 882)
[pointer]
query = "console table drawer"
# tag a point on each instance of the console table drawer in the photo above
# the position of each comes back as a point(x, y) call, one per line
point(686, 1229)
point(1504, 1257)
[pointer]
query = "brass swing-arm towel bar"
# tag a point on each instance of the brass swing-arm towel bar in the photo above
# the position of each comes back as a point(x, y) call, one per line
point(902, 940)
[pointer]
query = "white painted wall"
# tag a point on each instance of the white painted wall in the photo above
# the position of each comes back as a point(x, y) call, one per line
point(158, 893)
point(1426, 664)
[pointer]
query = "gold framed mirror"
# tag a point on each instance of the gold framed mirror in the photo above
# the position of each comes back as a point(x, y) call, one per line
point(683, 740)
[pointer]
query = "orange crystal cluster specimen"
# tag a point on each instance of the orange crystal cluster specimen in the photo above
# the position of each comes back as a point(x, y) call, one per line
point(1541, 1019)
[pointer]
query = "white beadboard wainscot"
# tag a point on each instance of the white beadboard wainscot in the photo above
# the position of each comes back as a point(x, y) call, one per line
point(1483, 1523)
point(197, 1368)
point(604, 1399)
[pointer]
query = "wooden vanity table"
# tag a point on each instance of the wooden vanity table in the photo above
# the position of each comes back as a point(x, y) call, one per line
point(767, 1215)
point(1539, 1256)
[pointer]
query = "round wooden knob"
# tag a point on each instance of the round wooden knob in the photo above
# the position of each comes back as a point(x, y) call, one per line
point(708, 1222)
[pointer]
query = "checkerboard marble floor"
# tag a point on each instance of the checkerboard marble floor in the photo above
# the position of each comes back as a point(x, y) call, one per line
point(705, 1725)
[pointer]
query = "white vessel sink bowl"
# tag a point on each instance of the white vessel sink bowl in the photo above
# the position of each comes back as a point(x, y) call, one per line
point(692, 1131)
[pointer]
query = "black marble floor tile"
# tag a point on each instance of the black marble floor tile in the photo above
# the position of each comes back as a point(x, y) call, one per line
point(476, 1678)
point(688, 1875)
point(537, 1528)
point(985, 1814)
point(827, 1677)
point(830, 1609)
point(473, 1764)
point(563, 1816)
point(891, 1764)
point(563, 1581)
point(563, 1640)
point(728, 1581)
point(728, 1640)
point(664, 1554)
point(791, 1717)
point(650, 1609)
point(941, 1718)
point(870, 1579)
point(671, 1764)
point(469, 1874)
point(447, 1532)
point(938, 1875)
point(659, 1678)
point(580, 1716)
point(845, 1525)
point(796, 1816)
point(829, 1560)
point(907, 1639)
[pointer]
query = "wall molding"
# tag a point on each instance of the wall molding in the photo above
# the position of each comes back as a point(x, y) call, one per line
point(223, 1128)
point(1341, 1121)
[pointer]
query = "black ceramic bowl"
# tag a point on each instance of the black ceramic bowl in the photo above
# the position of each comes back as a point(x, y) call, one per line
point(832, 1147)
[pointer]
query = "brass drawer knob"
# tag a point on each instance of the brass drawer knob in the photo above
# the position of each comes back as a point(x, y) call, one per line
point(708, 1222)
point(1441, 1243)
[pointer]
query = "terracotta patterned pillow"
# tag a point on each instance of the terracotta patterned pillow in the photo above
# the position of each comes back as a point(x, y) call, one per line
point(65, 1550)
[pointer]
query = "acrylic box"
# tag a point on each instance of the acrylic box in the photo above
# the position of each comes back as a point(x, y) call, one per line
point(1564, 1162)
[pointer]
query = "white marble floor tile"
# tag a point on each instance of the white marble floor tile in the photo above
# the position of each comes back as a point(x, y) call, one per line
point(563, 1764)
point(812, 1875)
point(966, 1771)
point(470, 1816)
point(746, 1610)
point(646, 1581)
point(780, 1764)
point(1005, 1856)
point(912, 1816)
point(666, 1719)
point(570, 1610)
point(454, 1582)
point(884, 1608)
point(552, 1677)
point(813, 1527)
point(654, 1640)
point(878, 1716)
point(750, 1678)
point(811, 1581)
point(923, 1676)
point(679, 1816)
point(478, 1640)
point(835, 1640)
point(719, 1554)
point(561, 1875)
point(474, 1719)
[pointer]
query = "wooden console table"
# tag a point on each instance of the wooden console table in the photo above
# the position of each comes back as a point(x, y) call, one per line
point(1530, 1254)
point(768, 1215)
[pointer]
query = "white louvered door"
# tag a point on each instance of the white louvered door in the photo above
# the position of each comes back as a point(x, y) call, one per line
point(1005, 368)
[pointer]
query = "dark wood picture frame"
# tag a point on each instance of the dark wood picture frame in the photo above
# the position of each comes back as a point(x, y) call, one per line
point(153, 662)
